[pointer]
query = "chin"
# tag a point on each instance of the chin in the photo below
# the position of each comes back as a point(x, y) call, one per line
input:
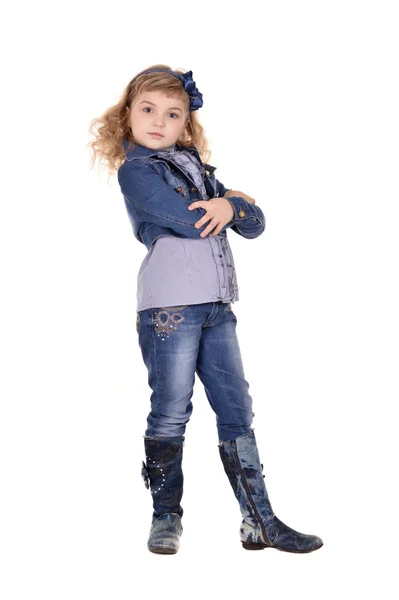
point(161, 144)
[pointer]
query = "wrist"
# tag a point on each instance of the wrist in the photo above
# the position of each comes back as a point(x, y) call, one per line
point(232, 208)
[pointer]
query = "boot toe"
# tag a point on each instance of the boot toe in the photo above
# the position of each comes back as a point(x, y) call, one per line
point(290, 540)
point(165, 534)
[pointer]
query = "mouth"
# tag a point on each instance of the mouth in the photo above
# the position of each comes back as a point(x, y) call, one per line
point(154, 134)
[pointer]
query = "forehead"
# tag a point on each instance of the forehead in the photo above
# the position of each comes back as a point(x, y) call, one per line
point(161, 99)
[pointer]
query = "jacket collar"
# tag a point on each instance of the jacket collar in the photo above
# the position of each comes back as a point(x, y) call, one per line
point(142, 151)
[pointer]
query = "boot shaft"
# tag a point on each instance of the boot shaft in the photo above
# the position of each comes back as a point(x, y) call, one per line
point(242, 465)
point(163, 473)
point(260, 526)
point(243, 468)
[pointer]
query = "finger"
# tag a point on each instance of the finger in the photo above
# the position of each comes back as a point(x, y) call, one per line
point(207, 229)
point(196, 204)
point(210, 227)
point(202, 221)
point(205, 218)
point(217, 230)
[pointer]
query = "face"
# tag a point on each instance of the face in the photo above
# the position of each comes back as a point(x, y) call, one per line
point(154, 112)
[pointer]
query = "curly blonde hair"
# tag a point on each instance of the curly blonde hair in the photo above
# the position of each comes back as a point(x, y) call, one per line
point(113, 126)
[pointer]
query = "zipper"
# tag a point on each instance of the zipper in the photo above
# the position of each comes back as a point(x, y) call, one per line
point(244, 481)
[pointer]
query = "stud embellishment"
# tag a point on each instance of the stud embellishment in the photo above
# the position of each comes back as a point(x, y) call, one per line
point(180, 190)
point(167, 320)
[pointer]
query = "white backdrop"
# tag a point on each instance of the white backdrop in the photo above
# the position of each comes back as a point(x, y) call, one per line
point(301, 111)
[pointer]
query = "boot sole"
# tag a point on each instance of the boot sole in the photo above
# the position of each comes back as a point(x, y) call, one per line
point(162, 550)
point(262, 547)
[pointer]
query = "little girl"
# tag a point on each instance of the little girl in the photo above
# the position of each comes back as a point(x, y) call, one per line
point(185, 289)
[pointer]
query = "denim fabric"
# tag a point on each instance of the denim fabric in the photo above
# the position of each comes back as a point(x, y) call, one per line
point(260, 527)
point(163, 467)
point(165, 534)
point(162, 472)
point(155, 207)
point(242, 465)
point(177, 342)
point(188, 163)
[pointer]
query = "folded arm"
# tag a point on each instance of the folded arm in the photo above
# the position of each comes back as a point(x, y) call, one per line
point(248, 221)
point(151, 199)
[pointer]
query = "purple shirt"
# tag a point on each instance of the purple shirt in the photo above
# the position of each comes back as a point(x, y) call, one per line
point(183, 271)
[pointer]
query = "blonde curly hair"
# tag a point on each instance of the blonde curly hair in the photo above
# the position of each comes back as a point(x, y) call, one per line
point(110, 129)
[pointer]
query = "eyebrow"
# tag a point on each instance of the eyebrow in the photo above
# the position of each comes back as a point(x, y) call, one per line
point(152, 104)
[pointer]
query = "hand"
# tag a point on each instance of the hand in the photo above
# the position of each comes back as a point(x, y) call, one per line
point(237, 193)
point(218, 210)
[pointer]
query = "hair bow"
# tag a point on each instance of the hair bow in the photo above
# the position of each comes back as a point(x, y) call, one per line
point(195, 95)
point(189, 85)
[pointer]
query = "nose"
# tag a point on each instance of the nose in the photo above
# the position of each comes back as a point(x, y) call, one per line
point(158, 120)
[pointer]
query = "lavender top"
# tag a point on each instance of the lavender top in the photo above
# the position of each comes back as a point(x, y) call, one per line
point(182, 271)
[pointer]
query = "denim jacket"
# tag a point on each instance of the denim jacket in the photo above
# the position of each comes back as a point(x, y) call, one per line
point(157, 194)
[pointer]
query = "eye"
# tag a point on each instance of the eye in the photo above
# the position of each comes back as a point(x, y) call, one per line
point(176, 116)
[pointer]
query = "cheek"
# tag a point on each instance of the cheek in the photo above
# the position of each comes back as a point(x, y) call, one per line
point(139, 119)
point(176, 125)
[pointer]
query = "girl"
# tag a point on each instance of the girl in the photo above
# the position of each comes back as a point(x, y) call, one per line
point(185, 289)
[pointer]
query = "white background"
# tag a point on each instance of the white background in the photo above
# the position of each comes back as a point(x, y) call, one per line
point(301, 112)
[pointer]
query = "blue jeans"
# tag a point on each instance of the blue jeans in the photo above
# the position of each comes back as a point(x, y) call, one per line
point(177, 342)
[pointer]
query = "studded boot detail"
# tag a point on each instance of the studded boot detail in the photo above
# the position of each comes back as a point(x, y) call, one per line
point(163, 473)
point(260, 528)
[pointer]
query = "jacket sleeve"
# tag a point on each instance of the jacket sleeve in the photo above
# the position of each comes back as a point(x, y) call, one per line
point(249, 220)
point(153, 200)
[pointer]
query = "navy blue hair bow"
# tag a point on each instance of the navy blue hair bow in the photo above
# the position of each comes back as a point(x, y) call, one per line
point(188, 83)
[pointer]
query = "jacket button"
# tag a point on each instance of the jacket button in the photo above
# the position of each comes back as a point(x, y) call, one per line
point(241, 213)
point(179, 189)
point(193, 189)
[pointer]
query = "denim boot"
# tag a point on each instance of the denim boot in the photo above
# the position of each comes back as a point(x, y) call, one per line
point(163, 471)
point(260, 527)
